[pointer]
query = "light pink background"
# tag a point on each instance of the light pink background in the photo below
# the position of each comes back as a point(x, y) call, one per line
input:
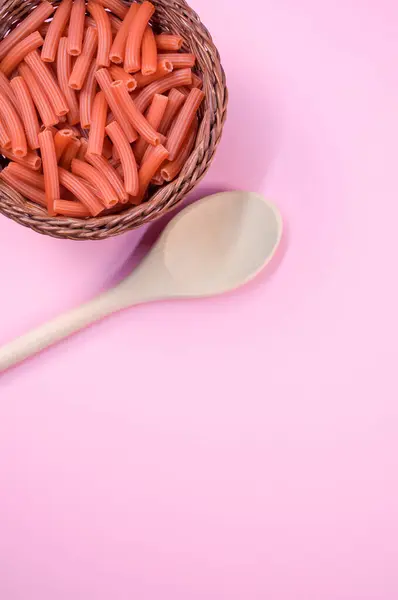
point(244, 447)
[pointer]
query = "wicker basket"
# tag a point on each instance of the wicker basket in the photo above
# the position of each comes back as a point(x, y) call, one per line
point(171, 16)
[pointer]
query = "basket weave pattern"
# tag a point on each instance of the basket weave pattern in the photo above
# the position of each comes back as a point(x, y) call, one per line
point(172, 16)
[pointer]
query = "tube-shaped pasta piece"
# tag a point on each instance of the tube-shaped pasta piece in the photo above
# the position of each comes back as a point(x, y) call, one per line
point(119, 43)
point(75, 130)
point(28, 25)
point(175, 79)
point(84, 61)
point(132, 58)
point(197, 82)
point(150, 149)
point(164, 68)
point(70, 152)
point(172, 168)
point(71, 208)
point(183, 122)
point(50, 169)
point(179, 61)
point(13, 125)
point(5, 140)
point(64, 67)
point(5, 87)
point(31, 160)
point(148, 169)
point(62, 139)
point(149, 53)
point(154, 117)
point(76, 27)
point(82, 192)
point(168, 43)
point(81, 155)
point(176, 100)
point(28, 191)
point(157, 110)
point(22, 172)
point(20, 50)
point(118, 73)
point(101, 164)
point(116, 6)
point(105, 82)
point(136, 118)
point(46, 79)
point(97, 125)
point(27, 111)
point(104, 31)
point(97, 179)
point(127, 159)
point(87, 96)
point(55, 31)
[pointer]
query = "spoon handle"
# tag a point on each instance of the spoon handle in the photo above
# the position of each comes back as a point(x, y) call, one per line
point(59, 328)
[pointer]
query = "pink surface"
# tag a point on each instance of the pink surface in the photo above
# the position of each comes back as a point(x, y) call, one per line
point(244, 447)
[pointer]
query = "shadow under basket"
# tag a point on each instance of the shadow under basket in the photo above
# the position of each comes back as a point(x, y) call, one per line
point(172, 16)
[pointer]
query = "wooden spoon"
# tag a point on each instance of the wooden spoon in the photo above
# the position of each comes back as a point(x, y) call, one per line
point(210, 247)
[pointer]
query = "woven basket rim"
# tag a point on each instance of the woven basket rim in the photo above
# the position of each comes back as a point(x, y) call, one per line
point(172, 16)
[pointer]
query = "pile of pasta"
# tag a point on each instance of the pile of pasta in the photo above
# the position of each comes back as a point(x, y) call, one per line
point(94, 107)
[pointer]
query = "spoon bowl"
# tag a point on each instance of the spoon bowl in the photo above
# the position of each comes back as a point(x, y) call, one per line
point(213, 246)
point(221, 243)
